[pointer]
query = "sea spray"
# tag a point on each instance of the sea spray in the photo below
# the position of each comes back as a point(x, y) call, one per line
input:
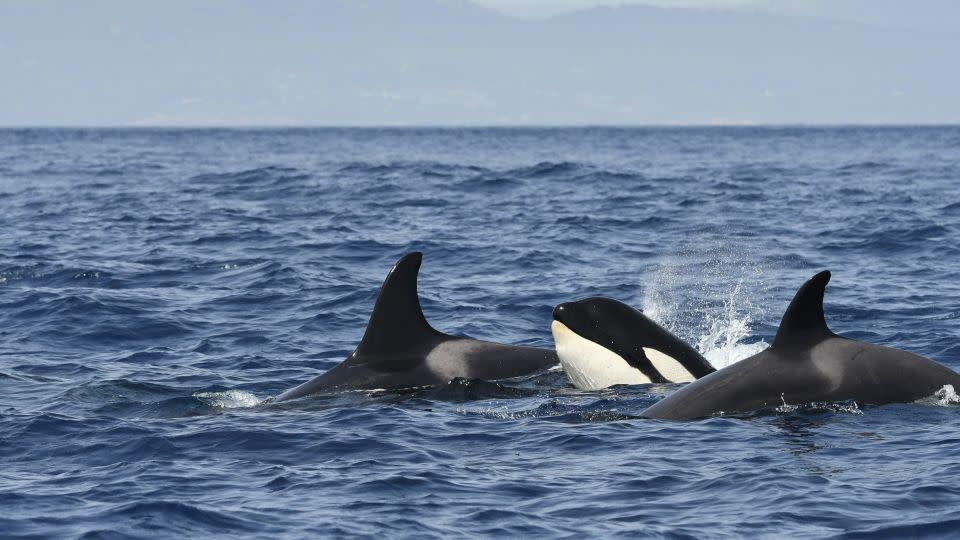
point(722, 342)
point(947, 396)
point(705, 298)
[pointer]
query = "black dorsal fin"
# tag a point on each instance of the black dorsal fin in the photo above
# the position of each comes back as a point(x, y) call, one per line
point(397, 322)
point(804, 323)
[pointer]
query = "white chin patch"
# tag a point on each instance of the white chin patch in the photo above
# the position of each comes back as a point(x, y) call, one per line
point(590, 366)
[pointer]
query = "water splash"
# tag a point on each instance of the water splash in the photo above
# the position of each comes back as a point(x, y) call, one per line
point(228, 399)
point(704, 297)
point(722, 342)
point(947, 396)
point(848, 406)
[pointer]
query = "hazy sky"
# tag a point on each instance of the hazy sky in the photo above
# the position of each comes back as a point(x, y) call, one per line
point(487, 62)
point(544, 8)
point(938, 15)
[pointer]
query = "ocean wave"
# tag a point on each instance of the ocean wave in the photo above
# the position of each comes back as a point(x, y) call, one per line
point(156, 286)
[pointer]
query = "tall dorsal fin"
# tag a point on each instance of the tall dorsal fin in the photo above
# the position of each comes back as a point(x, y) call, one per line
point(397, 321)
point(804, 323)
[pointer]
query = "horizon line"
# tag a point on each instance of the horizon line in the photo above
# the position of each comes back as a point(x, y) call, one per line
point(484, 126)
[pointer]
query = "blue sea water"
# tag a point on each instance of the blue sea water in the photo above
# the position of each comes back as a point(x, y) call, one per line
point(157, 285)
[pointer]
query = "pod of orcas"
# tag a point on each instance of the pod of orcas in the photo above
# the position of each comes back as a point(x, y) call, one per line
point(601, 342)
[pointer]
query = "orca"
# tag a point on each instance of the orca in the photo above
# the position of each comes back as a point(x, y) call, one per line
point(807, 363)
point(401, 350)
point(602, 342)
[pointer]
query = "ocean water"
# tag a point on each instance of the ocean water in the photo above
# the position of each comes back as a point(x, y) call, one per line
point(156, 286)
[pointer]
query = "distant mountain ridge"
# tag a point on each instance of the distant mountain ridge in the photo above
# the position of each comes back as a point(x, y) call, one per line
point(443, 62)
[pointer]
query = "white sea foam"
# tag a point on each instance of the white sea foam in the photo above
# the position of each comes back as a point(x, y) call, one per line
point(228, 399)
point(705, 298)
point(947, 396)
point(733, 353)
point(849, 407)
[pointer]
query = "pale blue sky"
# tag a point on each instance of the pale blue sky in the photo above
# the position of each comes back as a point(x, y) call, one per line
point(938, 15)
point(544, 8)
point(491, 62)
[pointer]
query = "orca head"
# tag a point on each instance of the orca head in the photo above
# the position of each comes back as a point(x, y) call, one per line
point(602, 342)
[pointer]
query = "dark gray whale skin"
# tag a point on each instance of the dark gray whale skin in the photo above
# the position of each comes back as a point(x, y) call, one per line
point(807, 363)
point(401, 350)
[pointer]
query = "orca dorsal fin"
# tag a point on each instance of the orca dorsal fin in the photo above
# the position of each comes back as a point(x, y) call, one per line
point(397, 321)
point(803, 323)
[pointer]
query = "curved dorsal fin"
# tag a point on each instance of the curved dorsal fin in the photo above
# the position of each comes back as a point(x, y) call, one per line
point(803, 323)
point(397, 321)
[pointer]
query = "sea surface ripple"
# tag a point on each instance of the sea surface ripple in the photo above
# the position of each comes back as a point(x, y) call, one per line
point(157, 285)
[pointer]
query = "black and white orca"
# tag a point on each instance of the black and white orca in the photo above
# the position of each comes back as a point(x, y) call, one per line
point(401, 350)
point(807, 363)
point(602, 342)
